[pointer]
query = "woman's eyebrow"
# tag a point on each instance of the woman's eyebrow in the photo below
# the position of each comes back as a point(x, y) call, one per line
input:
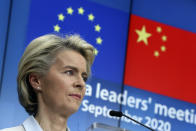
point(71, 67)
point(75, 69)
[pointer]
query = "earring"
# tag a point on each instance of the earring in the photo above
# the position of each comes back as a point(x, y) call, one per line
point(38, 88)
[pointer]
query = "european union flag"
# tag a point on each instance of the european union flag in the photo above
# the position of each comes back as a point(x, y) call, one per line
point(105, 28)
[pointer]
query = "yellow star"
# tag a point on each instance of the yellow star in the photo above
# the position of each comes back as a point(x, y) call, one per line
point(143, 35)
point(163, 48)
point(70, 11)
point(96, 51)
point(57, 28)
point(156, 54)
point(91, 17)
point(164, 38)
point(99, 40)
point(159, 29)
point(61, 17)
point(80, 11)
point(97, 28)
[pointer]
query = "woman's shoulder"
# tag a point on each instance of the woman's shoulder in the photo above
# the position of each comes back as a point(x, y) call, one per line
point(17, 128)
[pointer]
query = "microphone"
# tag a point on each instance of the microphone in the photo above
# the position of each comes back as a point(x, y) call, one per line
point(116, 113)
point(120, 114)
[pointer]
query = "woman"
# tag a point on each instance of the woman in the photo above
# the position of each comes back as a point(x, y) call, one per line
point(51, 81)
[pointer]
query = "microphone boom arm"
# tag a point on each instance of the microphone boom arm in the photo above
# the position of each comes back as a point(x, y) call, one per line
point(120, 114)
point(138, 122)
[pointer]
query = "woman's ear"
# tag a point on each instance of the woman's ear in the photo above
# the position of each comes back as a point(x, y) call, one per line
point(34, 80)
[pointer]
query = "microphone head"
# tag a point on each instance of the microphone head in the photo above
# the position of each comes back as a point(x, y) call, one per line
point(116, 113)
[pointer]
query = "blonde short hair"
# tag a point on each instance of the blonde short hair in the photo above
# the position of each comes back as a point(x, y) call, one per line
point(39, 56)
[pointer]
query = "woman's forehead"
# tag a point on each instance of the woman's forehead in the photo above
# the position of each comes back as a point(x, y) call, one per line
point(70, 58)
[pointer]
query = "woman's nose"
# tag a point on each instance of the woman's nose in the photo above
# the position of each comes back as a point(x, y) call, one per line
point(80, 83)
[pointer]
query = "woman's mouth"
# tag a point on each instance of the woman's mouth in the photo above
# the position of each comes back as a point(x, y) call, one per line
point(76, 96)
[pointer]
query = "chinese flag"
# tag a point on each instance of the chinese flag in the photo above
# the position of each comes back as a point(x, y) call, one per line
point(161, 59)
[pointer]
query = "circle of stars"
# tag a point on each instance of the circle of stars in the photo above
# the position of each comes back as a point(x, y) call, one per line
point(90, 17)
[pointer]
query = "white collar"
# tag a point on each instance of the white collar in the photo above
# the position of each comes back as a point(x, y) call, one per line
point(31, 124)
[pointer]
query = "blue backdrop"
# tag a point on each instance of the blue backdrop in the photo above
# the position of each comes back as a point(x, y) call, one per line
point(104, 24)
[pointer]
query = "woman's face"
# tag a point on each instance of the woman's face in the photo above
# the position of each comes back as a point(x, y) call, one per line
point(63, 87)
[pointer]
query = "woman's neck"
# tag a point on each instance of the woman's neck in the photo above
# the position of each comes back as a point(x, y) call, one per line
point(51, 121)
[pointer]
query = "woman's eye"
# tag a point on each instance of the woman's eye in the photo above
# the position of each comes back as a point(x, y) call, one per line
point(69, 72)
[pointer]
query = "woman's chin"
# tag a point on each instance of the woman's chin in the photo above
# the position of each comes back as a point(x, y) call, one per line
point(71, 110)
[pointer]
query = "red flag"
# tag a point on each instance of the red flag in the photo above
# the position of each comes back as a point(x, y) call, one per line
point(161, 59)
